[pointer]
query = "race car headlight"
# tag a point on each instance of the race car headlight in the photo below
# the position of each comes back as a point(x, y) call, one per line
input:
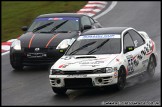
point(63, 44)
point(103, 70)
point(56, 72)
point(109, 70)
point(16, 45)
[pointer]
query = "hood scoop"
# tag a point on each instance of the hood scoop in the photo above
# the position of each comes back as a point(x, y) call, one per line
point(81, 57)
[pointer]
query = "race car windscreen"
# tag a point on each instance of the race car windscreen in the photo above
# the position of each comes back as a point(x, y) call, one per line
point(96, 44)
point(49, 25)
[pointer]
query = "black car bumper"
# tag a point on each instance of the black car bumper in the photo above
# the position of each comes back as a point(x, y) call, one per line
point(28, 57)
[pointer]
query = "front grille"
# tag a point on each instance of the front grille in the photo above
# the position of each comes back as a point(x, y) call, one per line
point(78, 82)
point(78, 72)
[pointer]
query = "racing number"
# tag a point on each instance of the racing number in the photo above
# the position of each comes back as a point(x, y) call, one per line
point(130, 65)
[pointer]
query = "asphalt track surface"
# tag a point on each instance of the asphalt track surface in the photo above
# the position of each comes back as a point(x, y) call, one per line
point(31, 86)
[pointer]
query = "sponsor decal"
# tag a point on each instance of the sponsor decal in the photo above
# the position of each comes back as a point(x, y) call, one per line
point(57, 18)
point(130, 64)
point(88, 62)
point(139, 57)
point(136, 62)
point(148, 49)
point(151, 48)
point(105, 36)
point(63, 66)
point(116, 74)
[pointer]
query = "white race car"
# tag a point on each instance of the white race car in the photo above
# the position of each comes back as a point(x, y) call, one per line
point(102, 57)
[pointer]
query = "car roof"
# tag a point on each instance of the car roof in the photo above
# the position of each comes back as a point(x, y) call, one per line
point(107, 30)
point(61, 15)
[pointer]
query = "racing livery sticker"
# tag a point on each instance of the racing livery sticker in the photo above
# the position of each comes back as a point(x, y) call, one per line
point(104, 36)
point(130, 64)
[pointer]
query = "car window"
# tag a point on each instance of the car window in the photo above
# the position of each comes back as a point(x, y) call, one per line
point(137, 39)
point(85, 21)
point(127, 40)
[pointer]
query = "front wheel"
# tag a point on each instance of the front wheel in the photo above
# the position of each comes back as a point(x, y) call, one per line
point(15, 64)
point(121, 79)
point(151, 67)
point(60, 91)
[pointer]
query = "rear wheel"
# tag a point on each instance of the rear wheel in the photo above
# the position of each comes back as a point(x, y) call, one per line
point(151, 67)
point(60, 91)
point(121, 79)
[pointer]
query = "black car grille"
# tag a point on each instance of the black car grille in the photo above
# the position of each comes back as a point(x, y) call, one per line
point(78, 72)
point(78, 82)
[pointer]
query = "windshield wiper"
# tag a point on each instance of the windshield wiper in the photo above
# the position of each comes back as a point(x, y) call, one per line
point(59, 25)
point(99, 46)
point(43, 26)
point(88, 44)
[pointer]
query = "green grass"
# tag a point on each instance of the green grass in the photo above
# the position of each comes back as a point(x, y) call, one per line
point(16, 14)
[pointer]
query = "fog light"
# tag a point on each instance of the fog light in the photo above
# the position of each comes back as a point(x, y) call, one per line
point(99, 80)
point(58, 81)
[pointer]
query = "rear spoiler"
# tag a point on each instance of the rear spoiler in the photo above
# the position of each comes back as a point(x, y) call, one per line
point(143, 34)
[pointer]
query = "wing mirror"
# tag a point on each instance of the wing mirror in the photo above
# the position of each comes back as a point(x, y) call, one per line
point(64, 44)
point(87, 27)
point(129, 48)
point(24, 28)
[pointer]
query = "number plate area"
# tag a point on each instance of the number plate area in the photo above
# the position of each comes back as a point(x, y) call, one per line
point(36, 55)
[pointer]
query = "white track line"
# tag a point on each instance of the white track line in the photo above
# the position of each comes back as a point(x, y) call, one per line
point(113, 4)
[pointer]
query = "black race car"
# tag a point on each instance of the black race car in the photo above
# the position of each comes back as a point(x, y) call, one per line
point(38, 45)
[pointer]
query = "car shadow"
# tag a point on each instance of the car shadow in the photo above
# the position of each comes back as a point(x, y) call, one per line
point(73, 96)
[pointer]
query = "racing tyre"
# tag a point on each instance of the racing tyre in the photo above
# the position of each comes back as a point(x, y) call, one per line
point(121, 79)
point(59, 91)
point(16, 65)
point(151, 67)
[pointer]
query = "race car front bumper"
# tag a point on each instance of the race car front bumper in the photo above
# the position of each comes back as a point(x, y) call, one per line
point(83, 81)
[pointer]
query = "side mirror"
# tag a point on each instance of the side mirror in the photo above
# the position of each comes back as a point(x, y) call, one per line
point(129, 48)
point(87, 27)
point(64, 44)
point(24, 28)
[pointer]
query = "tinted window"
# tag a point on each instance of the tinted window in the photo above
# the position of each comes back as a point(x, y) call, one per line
point(137, 39)
point(127, 40)
point(85, 21)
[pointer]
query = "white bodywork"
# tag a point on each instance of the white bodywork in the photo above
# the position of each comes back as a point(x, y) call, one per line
point(134, 63)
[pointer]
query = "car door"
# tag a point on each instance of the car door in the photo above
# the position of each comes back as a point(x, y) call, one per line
point(140, 46)
point(127, 41)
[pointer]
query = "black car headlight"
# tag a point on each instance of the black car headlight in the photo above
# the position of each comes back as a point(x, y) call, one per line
point(16, 45)
point(103, 70)
point(56, 72)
